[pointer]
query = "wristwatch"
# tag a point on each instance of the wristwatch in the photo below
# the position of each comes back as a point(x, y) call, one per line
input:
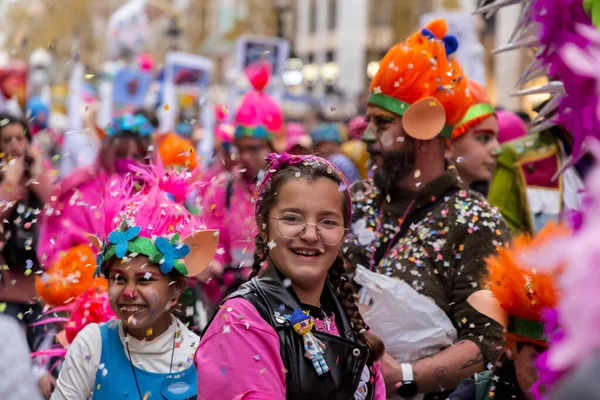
point(409, 385)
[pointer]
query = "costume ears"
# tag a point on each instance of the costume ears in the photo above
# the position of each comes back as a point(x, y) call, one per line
point(484, 302)
point(424, 119)
point(203, 245)
point(95, 241)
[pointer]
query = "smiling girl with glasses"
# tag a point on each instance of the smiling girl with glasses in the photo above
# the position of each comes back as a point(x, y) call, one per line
point(294, 331)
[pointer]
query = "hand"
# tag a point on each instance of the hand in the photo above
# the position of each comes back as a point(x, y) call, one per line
point(392, 373)
point(47, 383)
point(14, 170)
point(37, 167)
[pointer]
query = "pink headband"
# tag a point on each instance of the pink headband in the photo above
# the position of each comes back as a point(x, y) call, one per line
point(277, 162)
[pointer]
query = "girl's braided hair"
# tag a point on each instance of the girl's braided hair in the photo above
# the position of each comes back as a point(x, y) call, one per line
point(312, 168)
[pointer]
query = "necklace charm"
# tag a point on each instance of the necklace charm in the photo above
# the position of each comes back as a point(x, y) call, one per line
point(326, 321)
point(279, 318)
point(314, 349)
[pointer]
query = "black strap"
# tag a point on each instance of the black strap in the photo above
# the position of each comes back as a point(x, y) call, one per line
point(412, 218)
point(228, 194)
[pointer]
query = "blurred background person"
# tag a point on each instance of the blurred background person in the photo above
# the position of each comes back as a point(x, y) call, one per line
point(227, 201)
point(24, 190)
point(327, 143)
point(225, 157)
point(298, 141)
point(355, 149)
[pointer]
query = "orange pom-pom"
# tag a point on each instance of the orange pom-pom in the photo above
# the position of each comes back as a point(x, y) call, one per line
point(439, 27)
point(177, 151)
point(259, 74)
point(522, 291)
point(68, 277)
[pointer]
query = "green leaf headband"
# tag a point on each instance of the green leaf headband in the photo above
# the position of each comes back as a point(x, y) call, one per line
point(195, 251)
point(527, 328)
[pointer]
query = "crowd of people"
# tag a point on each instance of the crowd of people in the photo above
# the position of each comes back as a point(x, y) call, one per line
point(386, 257)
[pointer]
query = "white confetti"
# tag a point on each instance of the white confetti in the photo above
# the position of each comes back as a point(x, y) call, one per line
point(386, 139)
point(271, 245)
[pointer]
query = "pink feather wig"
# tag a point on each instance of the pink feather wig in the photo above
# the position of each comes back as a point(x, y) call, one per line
point(152, 199)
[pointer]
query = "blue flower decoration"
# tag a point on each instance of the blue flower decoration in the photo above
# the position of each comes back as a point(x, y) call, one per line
point(99, 260)
point(170, 252)
point(132, 123)
point(121, 240)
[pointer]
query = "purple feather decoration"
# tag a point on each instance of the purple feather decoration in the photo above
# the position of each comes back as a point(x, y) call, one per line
point(570, 52)
point(558, 22)
point(548, 376)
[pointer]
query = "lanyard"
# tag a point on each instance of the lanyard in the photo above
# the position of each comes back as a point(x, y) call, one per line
point(378, 231)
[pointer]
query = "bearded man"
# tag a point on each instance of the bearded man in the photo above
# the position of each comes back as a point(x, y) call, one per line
point(414, 222)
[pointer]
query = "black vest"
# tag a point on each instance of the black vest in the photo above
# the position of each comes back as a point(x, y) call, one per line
point(345, 357)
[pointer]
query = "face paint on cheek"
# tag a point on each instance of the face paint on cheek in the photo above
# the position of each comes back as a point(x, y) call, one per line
point(387, 139)
point(114, 292)
point(155, 303)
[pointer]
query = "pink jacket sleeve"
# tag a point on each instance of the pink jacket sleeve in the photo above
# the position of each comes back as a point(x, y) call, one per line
point(238, 357)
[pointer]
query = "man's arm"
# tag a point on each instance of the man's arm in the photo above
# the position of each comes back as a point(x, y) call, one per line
point(440, 372)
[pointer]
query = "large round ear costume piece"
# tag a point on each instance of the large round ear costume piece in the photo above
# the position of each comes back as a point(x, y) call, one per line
point(418, 81)
point(203, 245)
point(425, 119)
point(95, 241)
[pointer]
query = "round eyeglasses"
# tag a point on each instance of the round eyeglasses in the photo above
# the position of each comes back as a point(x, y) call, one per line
point(292, 226)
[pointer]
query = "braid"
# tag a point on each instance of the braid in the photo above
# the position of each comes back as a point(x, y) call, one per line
point(260, 255)
point(345, 293)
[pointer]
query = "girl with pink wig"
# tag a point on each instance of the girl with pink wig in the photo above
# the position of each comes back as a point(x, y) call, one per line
point(149, 245)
